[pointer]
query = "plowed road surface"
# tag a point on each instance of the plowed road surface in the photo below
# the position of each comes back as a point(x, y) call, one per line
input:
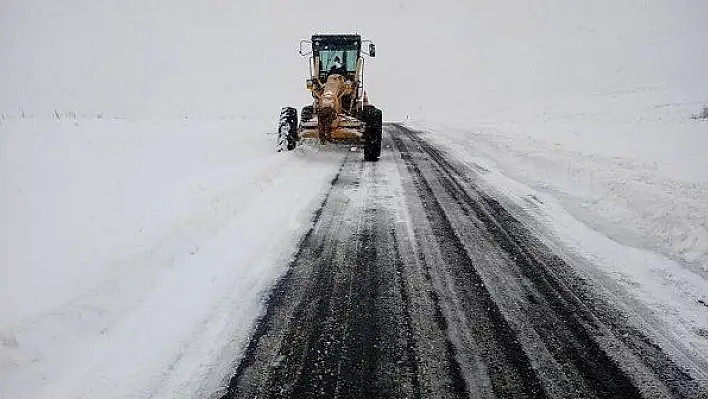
point(414, 283)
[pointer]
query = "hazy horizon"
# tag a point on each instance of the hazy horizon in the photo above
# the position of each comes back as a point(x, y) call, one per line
point(434, 59)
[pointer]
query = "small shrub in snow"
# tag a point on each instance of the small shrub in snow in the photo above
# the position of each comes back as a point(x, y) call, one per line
point(703, 115)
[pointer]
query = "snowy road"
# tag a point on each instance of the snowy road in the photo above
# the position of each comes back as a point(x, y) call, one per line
point(414, 283)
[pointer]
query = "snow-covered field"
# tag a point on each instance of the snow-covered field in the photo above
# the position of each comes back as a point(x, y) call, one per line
point(135, 254)
point(134, 250)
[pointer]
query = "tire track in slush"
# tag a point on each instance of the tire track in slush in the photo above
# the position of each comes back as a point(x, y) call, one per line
point(331, 343)
point(375, 305)
point(277, 301)
point(509, 369)
point(579, 312)
point(338, 324)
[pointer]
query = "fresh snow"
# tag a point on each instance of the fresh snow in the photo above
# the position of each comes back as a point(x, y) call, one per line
point(144, 214)
point(136, 254)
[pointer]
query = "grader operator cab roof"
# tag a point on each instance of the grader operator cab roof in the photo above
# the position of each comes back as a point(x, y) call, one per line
point(336, 54)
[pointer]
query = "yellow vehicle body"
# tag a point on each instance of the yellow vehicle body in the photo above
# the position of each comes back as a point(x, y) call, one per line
point(339, 111)
point(337, 90)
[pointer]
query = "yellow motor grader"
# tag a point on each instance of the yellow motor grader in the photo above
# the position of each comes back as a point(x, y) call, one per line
point(340, 111)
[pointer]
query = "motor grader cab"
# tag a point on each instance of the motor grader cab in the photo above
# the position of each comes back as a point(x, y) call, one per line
point(340, 111)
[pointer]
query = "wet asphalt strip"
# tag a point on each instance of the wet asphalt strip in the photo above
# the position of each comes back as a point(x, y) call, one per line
point(430, 288)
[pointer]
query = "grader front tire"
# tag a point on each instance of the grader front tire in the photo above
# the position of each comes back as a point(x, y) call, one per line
point(287, 129)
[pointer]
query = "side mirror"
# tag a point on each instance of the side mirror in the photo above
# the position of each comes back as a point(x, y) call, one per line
point(304, 50)
point(372, 50)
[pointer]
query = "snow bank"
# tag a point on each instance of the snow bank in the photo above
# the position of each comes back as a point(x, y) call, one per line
point(134, 255)
point(621, 178)
point(631, 164)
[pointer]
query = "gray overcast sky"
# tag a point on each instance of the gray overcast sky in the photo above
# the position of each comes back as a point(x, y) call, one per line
point(240, 57)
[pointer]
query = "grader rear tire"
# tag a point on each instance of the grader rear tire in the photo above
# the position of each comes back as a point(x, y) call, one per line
point(373, 119)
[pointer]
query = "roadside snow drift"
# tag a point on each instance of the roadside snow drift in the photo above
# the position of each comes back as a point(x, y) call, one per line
point(135, 254)
point(621, 179)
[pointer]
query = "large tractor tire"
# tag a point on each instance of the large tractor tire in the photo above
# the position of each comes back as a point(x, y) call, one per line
point(372, 117)
point(287, 129)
